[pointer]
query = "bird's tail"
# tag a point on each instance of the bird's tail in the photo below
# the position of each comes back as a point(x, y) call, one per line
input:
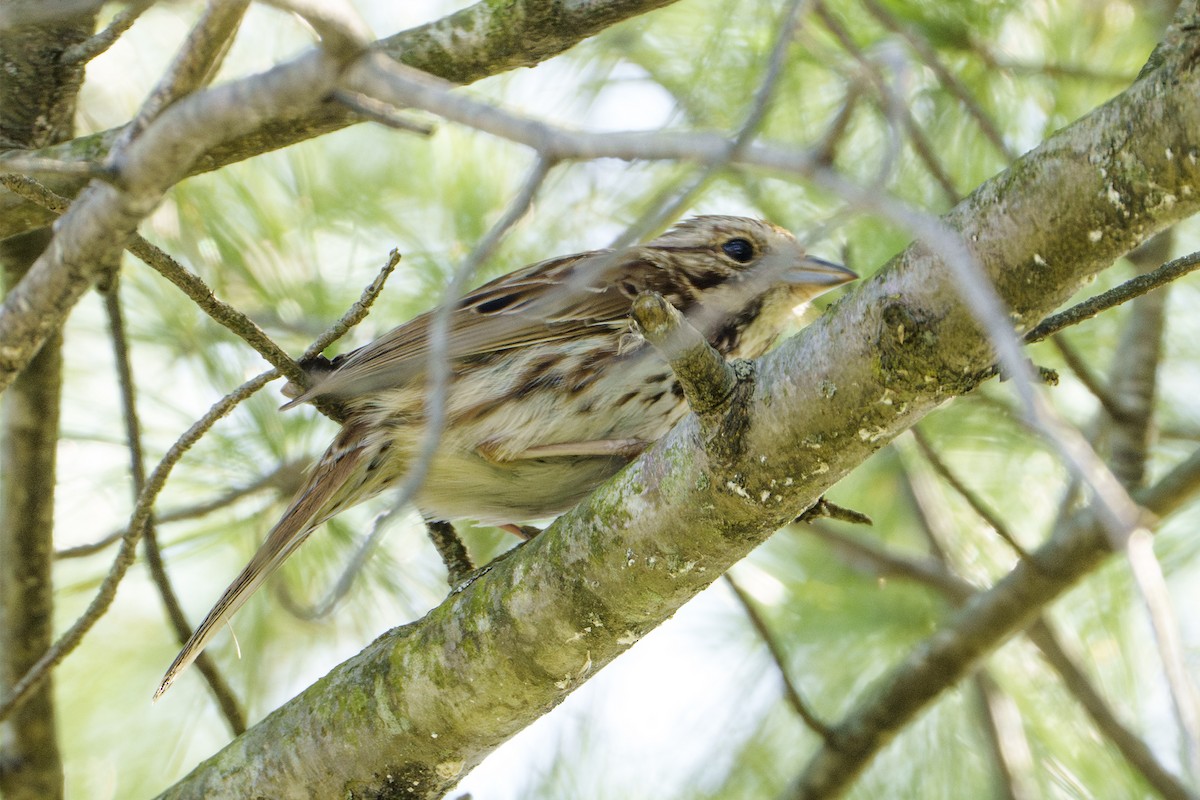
point(329, 489)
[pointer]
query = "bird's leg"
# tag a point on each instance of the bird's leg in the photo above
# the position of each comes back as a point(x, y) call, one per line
point(453, 552)
point(522, 532)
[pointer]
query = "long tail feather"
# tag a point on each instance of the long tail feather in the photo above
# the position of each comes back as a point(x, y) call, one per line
point(323, 495)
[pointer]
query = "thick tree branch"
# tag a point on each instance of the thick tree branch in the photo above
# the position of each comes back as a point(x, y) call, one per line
point(425, 703)
point(481, 40)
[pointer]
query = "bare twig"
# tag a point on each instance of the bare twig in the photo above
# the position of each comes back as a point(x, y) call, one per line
point(34, 191)
point(876, 560)
point(402, 86)
point(1132, 747)
point(1134, 384)
point(1083, 372)
point(794, 698)
point(669, 210)
point(122, 21)
point(452, 550)
point(17, 163)
point(1152, 586)
point(216, 682)
point(344, 34)
point(438, 371)
point(1134, 287)
point(438, 377)
point(99, 223)
point(221, 312)
point(1071, 71)
point(1009, 606)
point(379, 112)
point(286, 478)
point(1012, 759)
point(194, 65)
point(893, 104)
point(947, 78)
point(357, 312)
point(127, 553)
point(976, 502)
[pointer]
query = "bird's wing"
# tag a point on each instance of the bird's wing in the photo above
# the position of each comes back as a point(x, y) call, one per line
point(545, 302)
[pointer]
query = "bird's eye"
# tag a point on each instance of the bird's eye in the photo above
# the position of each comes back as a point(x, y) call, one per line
point(739, 250)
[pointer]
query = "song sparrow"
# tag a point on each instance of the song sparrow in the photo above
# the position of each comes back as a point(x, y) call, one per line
point(552, 390)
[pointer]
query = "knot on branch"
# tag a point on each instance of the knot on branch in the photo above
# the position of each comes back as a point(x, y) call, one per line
point(717, 391)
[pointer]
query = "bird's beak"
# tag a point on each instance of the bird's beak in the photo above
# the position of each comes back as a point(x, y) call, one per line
point(813, 271)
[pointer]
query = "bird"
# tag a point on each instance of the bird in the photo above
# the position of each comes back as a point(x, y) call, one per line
point(552, 390)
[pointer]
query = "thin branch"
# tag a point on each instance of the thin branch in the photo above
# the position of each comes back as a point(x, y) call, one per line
point(877, 560)
point(437, 387)
point(18, 163)
point(184, 279)
point(400, 86)
point(947, 78)
point(1131, 746)
point(988, 619)
point(285, 478)
point(344, 33)
point(372, 109)
point(195, 64)
point(452, 550)
point(127, 553)
point(866, 554)
point(1012, 759)
point(1090, 381)
point(480, 40)
point(357, 312)
point(791, 18)
point(438, 371)
point(1005, 737)
point(1134, 383)
point(794, 698)
point(221, 312)
point(216, 682)
point(976, 502)
point(893, 104)
point(99, 223)
point(122, 21)
point(1152, 586)
point(1071, 71)
point(1134, 287)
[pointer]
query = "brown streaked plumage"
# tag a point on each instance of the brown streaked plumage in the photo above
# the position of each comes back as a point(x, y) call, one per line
point(551, 393)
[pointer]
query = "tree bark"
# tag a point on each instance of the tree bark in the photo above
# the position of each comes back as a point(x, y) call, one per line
point(422, 705)
point(37, 107)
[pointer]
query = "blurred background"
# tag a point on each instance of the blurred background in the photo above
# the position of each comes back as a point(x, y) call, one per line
point(928, 99)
